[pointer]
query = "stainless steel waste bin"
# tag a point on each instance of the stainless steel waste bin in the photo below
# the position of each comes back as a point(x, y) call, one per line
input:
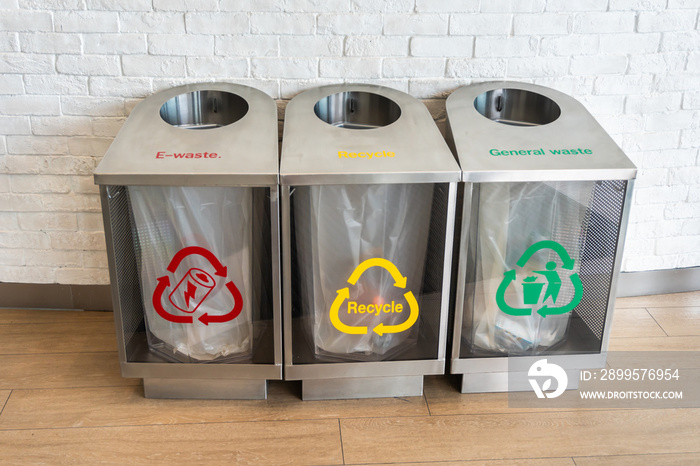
point(544, 213)
point(190, 203)
point(368, 190)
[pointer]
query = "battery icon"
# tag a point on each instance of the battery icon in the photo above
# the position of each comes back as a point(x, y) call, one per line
point(192, 290)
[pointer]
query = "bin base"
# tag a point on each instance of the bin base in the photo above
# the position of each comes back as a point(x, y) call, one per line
point(483, 382)
point(361, 387)
point(205, 389)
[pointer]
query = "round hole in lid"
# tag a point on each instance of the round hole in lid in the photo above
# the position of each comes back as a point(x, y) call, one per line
point(357, 110)
point(517, 107)
point(205, 109)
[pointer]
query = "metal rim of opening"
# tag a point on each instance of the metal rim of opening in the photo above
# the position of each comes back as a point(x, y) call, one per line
point(357, 110)
point(517, 107)
point(205, 109)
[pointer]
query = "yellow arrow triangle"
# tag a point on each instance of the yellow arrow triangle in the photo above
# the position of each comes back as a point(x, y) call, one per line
point(343, 294)
point(399, 280)
point(381, 329)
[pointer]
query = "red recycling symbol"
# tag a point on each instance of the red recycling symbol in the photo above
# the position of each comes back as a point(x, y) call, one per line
point(193, 288)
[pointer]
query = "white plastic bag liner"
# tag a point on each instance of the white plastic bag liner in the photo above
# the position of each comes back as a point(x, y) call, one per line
point(346, 225)
point(168, 219)
point(511, 218)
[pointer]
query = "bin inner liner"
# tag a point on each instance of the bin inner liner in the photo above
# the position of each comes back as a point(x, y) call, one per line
point(512, 217)
point(169, 219)
point(338, 227)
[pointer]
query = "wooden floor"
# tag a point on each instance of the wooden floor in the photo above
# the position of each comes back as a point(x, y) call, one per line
point(62, 400)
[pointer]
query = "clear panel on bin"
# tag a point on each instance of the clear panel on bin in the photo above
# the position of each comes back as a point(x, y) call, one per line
point(202, 255)
point(539, 268)
point(367, 264)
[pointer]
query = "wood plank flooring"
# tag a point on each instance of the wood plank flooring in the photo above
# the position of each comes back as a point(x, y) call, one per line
point(62, 400)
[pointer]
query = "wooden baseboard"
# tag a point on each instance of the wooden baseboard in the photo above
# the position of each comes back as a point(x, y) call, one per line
point(55, 296)
point(658, 282)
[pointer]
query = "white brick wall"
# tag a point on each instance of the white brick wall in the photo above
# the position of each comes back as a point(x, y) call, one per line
point(72, 70)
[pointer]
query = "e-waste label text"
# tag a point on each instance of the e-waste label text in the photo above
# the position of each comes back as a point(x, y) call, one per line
point(187, 155)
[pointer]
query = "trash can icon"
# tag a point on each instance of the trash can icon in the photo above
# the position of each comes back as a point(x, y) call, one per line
point(190, 205)
point(368, 190)
point(543, 220)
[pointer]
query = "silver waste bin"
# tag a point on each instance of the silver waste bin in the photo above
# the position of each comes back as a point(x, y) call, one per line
point(368, 191)
point(190, 205)
point(543, 218)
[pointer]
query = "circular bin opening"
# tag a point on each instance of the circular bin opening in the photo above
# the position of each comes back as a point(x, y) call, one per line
point(204, 109)
point(357, 110)
point(517, 107)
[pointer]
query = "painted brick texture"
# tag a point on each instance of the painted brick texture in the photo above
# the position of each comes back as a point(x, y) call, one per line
point(70, 72)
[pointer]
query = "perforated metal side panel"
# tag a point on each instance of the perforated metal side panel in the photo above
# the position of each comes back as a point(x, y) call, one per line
point(598, 252)
point(434, 258)
point(130, 301)
point(435, 265)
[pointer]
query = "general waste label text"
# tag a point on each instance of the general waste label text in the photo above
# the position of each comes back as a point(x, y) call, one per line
point(540, 151)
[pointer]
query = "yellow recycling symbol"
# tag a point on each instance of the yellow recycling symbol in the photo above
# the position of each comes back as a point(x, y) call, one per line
point(381, 329)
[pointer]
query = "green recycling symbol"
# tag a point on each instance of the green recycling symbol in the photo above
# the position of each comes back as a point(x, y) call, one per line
point(532, 289)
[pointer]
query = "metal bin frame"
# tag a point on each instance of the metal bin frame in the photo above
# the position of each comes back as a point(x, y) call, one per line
point(248, 156)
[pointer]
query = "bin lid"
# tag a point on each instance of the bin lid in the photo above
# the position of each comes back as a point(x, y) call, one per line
point(510, 131)
point(362, 133)
point(208, 134)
